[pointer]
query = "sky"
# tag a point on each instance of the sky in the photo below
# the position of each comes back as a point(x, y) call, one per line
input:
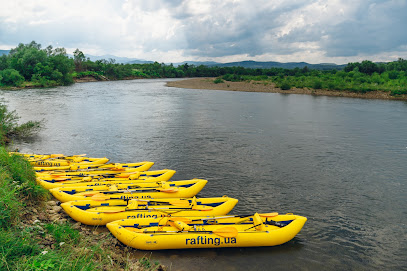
point(313, 31)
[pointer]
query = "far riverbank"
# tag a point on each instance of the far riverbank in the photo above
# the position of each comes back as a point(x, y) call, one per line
point(258, 86)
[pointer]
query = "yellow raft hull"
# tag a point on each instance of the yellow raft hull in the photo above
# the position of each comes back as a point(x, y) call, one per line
point(92, 212)
point(61, 164)
point(35, 157)
point(145, 176)
point(207, 235)
point(94, 169)
point(178, 189)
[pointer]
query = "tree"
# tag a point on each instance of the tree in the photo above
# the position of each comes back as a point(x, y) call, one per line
point(79, 58)
point(24, 58)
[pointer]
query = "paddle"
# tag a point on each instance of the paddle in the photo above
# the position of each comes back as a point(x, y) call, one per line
point(118, 175)
point(179, 203)
point(227, 232)
point(262, 215)
point(165, 190)
point(270, 222)
point(198, 208)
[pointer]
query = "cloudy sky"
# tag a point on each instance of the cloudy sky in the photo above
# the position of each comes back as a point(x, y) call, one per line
point(314, 31)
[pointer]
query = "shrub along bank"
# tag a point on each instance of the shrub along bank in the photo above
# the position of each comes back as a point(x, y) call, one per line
point(356, 77)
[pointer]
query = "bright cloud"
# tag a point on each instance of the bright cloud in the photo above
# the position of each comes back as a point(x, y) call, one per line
point(315, 31)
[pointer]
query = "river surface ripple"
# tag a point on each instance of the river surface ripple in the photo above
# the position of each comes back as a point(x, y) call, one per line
point(340, 162)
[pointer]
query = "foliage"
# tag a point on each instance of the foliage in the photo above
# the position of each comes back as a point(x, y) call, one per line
point(232, 77)
point(63, 233)
point(79, 58)
point(20, 175)
point(218, 81)
point(20, 250)
point(9, 206)
point(147, 264)
point(285, 85)
point(11, 77)
point(9, 127)
point(51, 67)
point(43, 67)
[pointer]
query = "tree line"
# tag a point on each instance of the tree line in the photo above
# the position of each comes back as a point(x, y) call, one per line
point(29, 65)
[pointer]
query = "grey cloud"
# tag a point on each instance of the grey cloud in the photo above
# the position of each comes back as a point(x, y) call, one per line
point(375, 29)
point(227, 33)
point(238, 28)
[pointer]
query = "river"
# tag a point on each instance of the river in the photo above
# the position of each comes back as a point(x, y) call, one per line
point(341, 162)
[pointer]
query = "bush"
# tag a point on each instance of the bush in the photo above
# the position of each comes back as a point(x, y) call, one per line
point(11, 77)
point(218, 81)
point(317, 84)
point(331, 86)
point(285, 85)
point(9, 127)
point(396, 92)
point(232, 77)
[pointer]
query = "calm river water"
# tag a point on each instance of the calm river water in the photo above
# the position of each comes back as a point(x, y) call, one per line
point(340, 162)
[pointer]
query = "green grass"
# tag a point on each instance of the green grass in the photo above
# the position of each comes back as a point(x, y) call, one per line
point(63, 233)
point(21, 250)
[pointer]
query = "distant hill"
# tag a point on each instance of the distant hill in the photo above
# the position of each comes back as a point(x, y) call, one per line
point(197, 63)
point(119, 59)
point(139, 61)
point(272, 64)
point(4, 52)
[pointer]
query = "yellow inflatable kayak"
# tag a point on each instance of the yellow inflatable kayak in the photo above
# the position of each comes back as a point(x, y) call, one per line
point(60, 164)
point(92, 212)
point(34, 157)
point(189, 232)
point(144, 176)
point(102, 170)
point(89, 166)
point(175, 189)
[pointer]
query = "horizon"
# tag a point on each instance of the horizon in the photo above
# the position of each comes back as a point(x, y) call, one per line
point(314, 32)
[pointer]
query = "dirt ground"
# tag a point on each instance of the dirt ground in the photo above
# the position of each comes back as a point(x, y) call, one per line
point(256, 86)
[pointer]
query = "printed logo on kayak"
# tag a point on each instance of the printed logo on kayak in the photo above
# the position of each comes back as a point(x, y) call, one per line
point(135, 197)
point(144, 216)
point(203, 240)
point(48, 164)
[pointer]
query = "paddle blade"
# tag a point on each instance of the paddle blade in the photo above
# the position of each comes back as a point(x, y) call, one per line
point(269, 214)
point(226, 232)
point(61, 179)
point(99, 197)
point(183, 219)
point(168, 190)
point(90, 194)
point(202, 208)
point(180, 203)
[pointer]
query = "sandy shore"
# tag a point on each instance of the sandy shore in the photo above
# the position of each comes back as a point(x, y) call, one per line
point(256, 86)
